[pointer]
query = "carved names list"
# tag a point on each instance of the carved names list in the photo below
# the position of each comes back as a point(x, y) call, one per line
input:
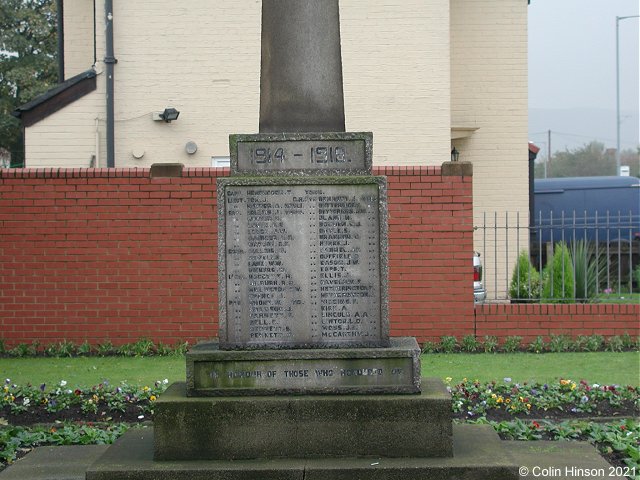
point(302, 264)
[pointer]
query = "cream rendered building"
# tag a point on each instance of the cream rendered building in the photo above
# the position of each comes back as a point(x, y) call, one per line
point(424, 76)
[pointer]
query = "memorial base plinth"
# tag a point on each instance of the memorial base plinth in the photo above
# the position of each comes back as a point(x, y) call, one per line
point(391, 370)
point(236, 428)
point(478, 455)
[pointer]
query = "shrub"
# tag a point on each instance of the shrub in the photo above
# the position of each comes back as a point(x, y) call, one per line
point(60, 349)
point(143, 348)
point(490, 344)
point(628, 342)
point(163, 349)
point(537, 346)
point(470, 344)
point(126, 350)
point(525, 281)
point(429, 347)
point(23, 350)
point(511, 344)
point(66, 348)
point(181, 349)
point(558, 279)
point(559, 343)
point(589, 270)
point(615, 344)
point(84, 348)
point(35, 348)
point(105, 348)
point(594, 343)
point(448, 344)
point(581, 342)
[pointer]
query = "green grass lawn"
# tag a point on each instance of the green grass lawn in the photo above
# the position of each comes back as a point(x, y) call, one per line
point(627, 298)
point(89, 371)
point(596, 367)
point(600, 367)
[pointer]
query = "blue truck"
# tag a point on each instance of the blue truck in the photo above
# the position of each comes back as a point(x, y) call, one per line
point(600, 209)
point(605, 211)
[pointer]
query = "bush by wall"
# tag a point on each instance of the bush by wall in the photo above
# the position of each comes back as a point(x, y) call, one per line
point(525, 281)
point(558, 277)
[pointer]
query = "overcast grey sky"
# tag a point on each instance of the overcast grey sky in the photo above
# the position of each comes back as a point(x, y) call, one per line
point(572, 46)
point(572, 53)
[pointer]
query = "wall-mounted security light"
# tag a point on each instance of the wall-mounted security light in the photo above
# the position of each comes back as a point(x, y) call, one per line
point(455, 155)
point(168, 115)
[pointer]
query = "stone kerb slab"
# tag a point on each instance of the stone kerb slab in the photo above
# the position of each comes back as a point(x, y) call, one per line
point(303, 262)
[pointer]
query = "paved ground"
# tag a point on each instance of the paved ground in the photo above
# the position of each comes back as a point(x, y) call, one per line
point(539, 460)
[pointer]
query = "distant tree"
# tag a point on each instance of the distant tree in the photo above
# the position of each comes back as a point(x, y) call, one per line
point(590, 160)
point(632, 159)
point(27, 63)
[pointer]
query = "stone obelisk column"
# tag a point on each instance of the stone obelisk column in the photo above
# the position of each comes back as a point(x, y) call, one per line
point(301, 70)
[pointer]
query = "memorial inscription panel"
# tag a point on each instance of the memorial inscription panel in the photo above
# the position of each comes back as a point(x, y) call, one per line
point(310, 155)
point(301, 154)
point(302, 266)
point(270, 376)
point(393, 369)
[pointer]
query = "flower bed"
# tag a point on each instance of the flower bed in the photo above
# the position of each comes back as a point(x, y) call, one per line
point(565, 398)
point(565, 410)
point(28, 405)
point(605, 415)
point(618, 440)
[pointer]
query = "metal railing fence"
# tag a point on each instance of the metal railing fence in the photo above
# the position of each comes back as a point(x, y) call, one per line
point(564, 258)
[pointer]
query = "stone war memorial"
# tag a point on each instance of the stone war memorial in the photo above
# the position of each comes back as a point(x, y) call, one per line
point(304, 381)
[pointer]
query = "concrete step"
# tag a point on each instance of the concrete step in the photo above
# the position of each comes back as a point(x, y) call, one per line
point(477, 456)
point(303, 426)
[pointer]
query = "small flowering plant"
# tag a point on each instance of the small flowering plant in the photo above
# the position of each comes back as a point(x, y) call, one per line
point(474, 399)
point(617, 440)
point(15, 440)
point(102, 399)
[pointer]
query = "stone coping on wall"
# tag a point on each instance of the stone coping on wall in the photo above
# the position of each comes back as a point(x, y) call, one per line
point(105, 172)
point(135, 172)
point(557, 309)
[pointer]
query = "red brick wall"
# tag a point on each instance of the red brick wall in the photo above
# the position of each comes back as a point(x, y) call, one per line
point(96, 254)
point(107, 254)
point(430, 253)
point(530, 321)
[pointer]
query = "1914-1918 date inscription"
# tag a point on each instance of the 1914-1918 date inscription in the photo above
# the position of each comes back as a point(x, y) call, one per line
point(301, 155)
point(262, 155)
point(302, 265)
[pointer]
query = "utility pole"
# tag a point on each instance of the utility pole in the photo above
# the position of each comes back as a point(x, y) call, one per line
point(548, 153)
point(618, 89)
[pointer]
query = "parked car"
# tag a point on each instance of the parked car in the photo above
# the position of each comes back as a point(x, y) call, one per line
point(479, 292)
